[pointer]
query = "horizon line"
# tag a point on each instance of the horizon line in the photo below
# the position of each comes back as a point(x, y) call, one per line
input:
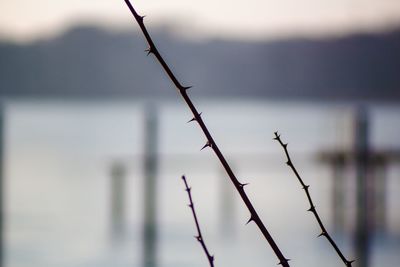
point(190, 33)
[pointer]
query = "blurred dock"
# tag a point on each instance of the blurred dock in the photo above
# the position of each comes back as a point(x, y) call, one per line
point(370, 178)
point(137, 179)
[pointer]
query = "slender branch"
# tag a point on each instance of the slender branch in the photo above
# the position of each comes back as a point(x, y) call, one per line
point(210, 141)
point(312, 206)
point(199, 236)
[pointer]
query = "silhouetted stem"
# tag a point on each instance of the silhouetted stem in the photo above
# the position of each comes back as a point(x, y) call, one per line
point(312, 206)
point(210, 141)
point(199, 236)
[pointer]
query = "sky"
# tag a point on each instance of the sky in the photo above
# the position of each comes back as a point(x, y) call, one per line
point(24, 20)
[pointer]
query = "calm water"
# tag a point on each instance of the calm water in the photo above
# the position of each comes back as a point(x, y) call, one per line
point(58, 157)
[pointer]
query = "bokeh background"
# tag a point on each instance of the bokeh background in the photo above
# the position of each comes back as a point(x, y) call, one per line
point(94, 137)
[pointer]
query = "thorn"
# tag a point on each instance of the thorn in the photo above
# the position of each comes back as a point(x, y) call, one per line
point(206, 145)
point(306, 187)
point(281, 263)
point(311, 209)
point(188, 189)
point(212, 257)
point(285, 145)
point(289, 163)
point(190, 206)
point(198, 238)
point(277, 136)
point(141, 18)
point(186, 87)
point(322, 234)
point(149, 51)
point(348, 263)
point(194, 119)
point(251, 219)
point(243, 185)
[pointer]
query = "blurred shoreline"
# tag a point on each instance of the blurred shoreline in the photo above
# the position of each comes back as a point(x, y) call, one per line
point(90, 63)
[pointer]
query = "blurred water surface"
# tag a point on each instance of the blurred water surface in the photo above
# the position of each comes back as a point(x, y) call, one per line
point(59, 155)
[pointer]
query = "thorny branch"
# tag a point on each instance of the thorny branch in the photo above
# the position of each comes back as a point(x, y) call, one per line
point(210, 141)
point(312, 206)
point(199, 236)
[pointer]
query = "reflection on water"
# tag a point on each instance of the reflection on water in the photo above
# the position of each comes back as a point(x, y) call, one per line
point(63, 160)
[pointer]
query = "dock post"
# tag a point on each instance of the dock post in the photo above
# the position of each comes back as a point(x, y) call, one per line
point(150, 192)
point(226, 209)
point(118, 184)
point(2, 173)
point(338, 193)
point(380, 191)
point(362, 235)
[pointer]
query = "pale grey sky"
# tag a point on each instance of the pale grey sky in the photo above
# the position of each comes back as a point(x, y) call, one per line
point(27, 19)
